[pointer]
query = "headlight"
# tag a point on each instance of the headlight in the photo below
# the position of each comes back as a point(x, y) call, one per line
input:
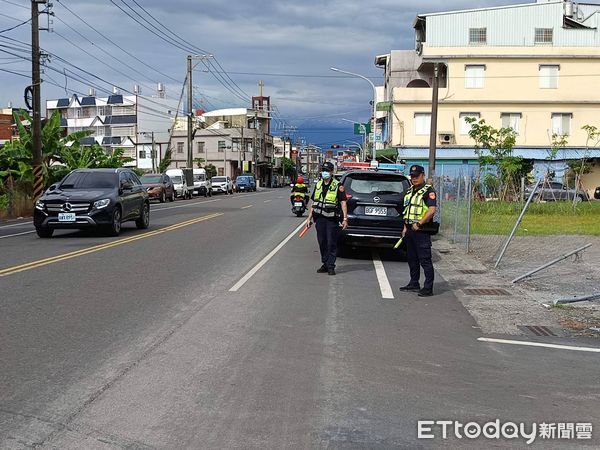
point(39, 205)
point(102, 203)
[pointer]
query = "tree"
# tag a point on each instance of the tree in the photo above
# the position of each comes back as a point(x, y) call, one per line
point(166, 161)
point(211, 171)
point(494, 150)
point(289, 167)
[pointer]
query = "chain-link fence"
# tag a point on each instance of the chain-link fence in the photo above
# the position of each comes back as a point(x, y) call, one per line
point(555, 223)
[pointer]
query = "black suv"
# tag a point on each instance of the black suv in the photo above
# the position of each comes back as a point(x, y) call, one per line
point(375, 200)
point(87, 198)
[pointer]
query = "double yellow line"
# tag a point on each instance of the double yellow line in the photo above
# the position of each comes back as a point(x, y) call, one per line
point(97, 248)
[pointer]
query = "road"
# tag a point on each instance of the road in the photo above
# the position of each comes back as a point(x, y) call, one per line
point(212, 330)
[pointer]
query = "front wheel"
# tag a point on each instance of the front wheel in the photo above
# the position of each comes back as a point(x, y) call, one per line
point(44, 233)
point(172, 197)
point(143, 221)
point(114, 229)
point(163, 197)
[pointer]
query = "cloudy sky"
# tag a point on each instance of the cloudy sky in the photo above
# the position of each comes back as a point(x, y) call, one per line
point(289, 45)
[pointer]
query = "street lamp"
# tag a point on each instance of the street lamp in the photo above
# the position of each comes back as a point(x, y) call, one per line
point(363, 149)
point(335, 69)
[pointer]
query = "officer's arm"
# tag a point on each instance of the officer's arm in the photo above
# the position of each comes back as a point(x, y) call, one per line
point(428, 215)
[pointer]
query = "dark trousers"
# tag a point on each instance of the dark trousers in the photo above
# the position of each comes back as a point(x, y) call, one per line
point(418, 253)
point(327, 235)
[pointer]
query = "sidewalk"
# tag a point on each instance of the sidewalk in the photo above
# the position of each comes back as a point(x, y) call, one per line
point(521, 305)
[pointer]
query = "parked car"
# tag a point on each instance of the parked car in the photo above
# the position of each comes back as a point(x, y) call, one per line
point(245, 183)
point(202, 186)
point(93, 198)
point(222, 184)
point(556, 191)
point(159, 187)
point(183, 181)
point(375, 200)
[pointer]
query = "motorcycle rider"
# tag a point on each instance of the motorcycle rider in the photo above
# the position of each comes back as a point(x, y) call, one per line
point(299, 190)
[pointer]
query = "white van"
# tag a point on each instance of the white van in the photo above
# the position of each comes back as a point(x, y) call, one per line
point(202, 186)
point(182, 182)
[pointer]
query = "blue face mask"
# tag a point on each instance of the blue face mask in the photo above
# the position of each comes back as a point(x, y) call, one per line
point(325, 175)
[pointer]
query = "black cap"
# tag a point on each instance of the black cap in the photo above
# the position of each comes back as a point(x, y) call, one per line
point(416, 170)
point(327, 166)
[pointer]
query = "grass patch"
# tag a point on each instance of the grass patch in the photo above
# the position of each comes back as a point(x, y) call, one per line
point(541, 219)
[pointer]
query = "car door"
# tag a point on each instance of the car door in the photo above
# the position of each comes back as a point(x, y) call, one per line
point(168, 185)
point(137, 195)
point(125, 194)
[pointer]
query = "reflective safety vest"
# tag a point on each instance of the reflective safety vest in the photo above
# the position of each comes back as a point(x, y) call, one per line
point(326, 207)
point(296, 190)
point(414, 206)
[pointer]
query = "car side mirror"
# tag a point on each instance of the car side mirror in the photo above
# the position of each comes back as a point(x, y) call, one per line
point(52, 187)
point(126, 186)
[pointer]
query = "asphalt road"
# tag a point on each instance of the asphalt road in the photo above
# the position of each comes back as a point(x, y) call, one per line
point(167, 338)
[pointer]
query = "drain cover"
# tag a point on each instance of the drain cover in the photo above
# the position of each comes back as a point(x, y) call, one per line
point(537, 330)
point(485, 291)
point(473, 271)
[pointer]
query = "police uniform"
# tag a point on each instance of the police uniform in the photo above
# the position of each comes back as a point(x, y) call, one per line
point(417, 201)
point(326, 212)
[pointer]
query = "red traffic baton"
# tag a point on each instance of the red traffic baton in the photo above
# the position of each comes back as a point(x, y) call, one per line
point(304, 231)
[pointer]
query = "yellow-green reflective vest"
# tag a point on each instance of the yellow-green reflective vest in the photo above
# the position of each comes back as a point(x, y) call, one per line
point(297, 186)
point(414, 206)
point(326, 207)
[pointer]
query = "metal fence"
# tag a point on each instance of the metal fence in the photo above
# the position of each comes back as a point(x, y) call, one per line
point(487, 228)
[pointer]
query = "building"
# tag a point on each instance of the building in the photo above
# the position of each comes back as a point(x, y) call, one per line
point(121, 121)
point(7, 129)
point(531, 67)
point(311, 161)
point(231, 139)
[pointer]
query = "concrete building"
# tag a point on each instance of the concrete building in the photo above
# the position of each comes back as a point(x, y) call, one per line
point(531, 67)
point(234, 140)
point(121, 121)
point(312, 158)
point(6, 126)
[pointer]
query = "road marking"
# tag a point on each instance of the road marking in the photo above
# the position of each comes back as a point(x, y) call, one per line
point(20, 224)
point(186, 205)
point(384, 283)
point(263, 261)
point(540, 344)
point(85, 251)
point(246, 207)
point(17, 234)
point(268, 201)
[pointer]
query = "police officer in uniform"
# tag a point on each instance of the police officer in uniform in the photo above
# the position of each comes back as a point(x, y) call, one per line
point(419, 207)
point(328, 202)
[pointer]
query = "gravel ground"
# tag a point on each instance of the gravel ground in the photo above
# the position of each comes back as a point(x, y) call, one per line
point(574, 277)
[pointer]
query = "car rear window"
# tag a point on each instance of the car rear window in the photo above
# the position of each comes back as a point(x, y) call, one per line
point(90, 180)
point(378, 184)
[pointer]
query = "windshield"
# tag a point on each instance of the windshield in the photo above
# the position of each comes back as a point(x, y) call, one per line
point(218, 179)
point(361, 184)
point(150, 179)
point(199, 177)
point(243, 179)
point(176, 179)
point(90, 180)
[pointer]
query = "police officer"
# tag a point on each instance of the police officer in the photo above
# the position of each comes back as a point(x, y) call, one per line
point(419, 207)
point(328, 200)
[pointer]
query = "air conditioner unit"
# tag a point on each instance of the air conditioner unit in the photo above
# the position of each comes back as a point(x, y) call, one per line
point(446, 137)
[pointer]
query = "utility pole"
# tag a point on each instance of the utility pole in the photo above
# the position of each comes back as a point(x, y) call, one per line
point(433, 127)
point(36, 84)
point(153, 154)
point(190, 117)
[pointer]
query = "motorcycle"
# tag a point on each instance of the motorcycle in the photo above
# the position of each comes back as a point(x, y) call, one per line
point(299, 206)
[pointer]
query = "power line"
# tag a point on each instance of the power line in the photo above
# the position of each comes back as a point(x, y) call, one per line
point(16, 26)
point(15, 4)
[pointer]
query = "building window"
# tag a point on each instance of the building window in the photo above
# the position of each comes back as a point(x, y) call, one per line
point(477, 36)
point(511, 120)
point(561, 123)
point(200, 147)
point(221, 146)
point(142, 154)
point(549, 76)
point(221, 172)
point(543, 35)
point(474, 76)
point(180, 147)
point(422, 124)
point(123, 131)
point(465, 126)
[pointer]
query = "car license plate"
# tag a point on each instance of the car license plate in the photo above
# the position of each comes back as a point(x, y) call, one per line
point(298, 204)
point(66, 217)
point(375, 210)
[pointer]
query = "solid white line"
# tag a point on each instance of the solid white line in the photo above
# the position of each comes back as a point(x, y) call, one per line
point(17, 234)
point(384, 283)
point(20, 224)
point(263, 261)
point(539, 344)
point(187, 205)
point(248, 206)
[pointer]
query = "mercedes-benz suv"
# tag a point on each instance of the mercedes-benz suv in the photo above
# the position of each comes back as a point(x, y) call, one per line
point(93, 198)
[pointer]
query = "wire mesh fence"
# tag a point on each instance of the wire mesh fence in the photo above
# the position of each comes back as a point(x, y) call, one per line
point(550, 227)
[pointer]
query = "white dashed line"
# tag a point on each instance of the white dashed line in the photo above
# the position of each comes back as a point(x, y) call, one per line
point(17, 234)
point(384, 283)
point(540, 344)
